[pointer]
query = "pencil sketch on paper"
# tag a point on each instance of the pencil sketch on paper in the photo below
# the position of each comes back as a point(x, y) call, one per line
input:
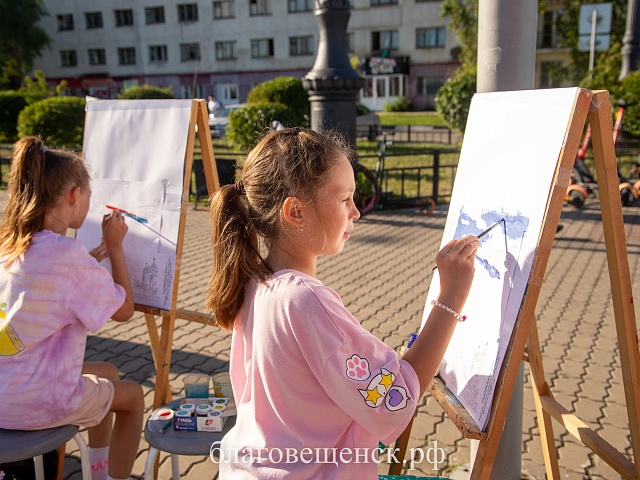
point(143, 175)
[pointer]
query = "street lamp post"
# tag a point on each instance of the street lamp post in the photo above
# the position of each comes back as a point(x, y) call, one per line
point(631, 40)
point(332, 84)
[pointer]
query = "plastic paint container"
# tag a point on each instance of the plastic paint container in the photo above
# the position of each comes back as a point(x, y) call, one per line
point(165, 414)
point(189, 407)
point(196, 385)
point(214, 414)
point(222, 385)
point(203, 410)
point(183, 413)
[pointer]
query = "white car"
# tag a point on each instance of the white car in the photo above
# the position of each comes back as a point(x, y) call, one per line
point(218, 122)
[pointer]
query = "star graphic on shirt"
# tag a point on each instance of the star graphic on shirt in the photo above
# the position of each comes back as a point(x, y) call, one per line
point(373, 395)
point(386, 381)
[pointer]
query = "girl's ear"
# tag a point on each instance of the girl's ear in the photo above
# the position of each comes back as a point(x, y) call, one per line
point(292, 211)
point(72, 195)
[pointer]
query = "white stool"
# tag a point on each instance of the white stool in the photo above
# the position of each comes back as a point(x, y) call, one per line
point(18, 445)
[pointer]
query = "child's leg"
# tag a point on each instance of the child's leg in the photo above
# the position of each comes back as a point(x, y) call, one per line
point(128, 405)
point(100, 435)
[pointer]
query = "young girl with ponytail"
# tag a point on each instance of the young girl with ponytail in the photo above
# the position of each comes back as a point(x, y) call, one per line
point(315, 391)
point(51, 291)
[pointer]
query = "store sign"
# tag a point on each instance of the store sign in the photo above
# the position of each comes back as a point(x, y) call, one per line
point(386, 65)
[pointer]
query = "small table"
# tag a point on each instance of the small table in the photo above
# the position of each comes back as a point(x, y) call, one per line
point(177, 442)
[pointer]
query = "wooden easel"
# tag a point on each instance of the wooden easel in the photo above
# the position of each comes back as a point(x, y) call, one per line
point(162, 341)
point(596, 106)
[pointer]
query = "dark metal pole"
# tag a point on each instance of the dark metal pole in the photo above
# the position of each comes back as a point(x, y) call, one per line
point(332, 84)
point(631, 39)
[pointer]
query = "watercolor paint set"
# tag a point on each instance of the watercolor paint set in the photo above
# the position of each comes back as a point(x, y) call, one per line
point(205, 417)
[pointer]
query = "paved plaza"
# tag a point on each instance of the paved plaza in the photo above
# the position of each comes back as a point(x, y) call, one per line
point(383, 276)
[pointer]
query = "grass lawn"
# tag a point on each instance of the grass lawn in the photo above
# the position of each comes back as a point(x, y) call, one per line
point(389, 119)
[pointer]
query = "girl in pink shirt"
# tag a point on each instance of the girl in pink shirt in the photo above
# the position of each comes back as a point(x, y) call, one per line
point(315, 391)
point(51, 291)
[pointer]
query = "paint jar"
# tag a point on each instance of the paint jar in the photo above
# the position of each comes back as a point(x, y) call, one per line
point(183, 413)
point(222, 385)
point(203, 410)
point(196, 385)
point(189, 407)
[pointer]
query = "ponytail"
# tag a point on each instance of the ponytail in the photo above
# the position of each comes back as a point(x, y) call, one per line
point(37, 180)
point(236, 256)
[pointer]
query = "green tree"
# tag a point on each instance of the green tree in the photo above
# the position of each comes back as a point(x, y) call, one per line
point(463, 18)
point(567, 31)
point(21, 39)
point(36, 88)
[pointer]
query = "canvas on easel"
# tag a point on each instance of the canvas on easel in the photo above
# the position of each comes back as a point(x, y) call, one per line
point(515, 165)
point(139, 154)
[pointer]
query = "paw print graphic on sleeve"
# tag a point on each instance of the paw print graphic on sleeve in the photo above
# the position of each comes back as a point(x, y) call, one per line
point(358, 368)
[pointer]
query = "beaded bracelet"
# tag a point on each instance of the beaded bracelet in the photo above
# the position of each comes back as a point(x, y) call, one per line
point(458, 317)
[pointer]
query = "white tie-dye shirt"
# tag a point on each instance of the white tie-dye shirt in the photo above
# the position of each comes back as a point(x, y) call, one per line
point(49, 297)
point(315, 391)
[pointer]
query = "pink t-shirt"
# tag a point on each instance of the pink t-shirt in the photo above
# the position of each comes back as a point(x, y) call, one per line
point(49, 297)
point(315, 391)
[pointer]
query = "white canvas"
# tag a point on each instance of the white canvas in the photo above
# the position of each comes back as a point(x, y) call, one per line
point(511, 148)
point(135, 151)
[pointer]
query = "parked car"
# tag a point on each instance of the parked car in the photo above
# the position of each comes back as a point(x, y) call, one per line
point(218, 122)
point(367, 122)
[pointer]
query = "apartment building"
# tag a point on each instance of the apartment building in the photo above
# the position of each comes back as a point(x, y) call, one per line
point(226, 47)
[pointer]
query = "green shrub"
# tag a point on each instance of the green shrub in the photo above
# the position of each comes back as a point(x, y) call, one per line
point(146, 92)
point(288, 91)
point(629, 92)
point(248, 124)
point(454, 99)
point(11, 104)
point(400, 104)
point(58, 120)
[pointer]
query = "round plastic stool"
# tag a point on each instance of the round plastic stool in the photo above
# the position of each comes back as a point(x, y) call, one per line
point(18, 445)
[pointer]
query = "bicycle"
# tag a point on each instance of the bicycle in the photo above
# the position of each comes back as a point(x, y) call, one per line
point(370, 195)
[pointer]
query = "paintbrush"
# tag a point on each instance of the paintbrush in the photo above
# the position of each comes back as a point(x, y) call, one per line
point(483, 233)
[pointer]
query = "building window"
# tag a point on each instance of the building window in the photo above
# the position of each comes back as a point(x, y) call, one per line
point(383, 2)
point(127, 56)
point(546, 35)
point(296, 6)
point(157, 53)
point(301, 46)
point(65, 22)
point(124, 18)
point(189, 52)
point(430, 37)
point(93, 19)
point(224, 9)
point(188, 12)
point(259, 7)
point(189, 92)
point(154, 15)
point(97, 56)
point(262, 48)
point(68, 58)
point(226, 50)
point(428, 85)
point(384, 40)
